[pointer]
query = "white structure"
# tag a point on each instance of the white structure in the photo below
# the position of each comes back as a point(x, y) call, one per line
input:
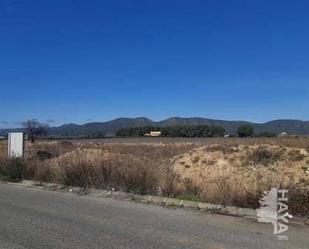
point(153, 134)
point(283, 134)
point(16, 144)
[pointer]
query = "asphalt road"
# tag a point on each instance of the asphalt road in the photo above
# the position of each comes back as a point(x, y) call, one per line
point(39, 219)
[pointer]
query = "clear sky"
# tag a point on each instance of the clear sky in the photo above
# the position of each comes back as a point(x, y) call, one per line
point(79, 61)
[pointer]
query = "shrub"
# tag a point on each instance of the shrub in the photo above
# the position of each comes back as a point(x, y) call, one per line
point(266, 134)
point(12, 169)
point(191, 191)
point(245, 130)
point(196, 159)
point(298, 200)
point(169, 184)
point(43, 155)
point(127, 175)
point(264, 156)
point(78, 171)
point(296, 155)
point(225, 149)
point(44, 172)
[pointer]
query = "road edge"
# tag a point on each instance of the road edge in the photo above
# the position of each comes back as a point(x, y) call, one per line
point(150, 199)
point(146, 199)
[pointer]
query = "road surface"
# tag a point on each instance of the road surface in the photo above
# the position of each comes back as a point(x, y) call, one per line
point(39, 219)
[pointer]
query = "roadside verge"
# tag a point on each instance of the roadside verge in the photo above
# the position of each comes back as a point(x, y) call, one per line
point(148, 199)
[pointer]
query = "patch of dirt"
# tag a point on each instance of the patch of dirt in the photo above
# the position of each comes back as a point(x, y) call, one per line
point(244, 168)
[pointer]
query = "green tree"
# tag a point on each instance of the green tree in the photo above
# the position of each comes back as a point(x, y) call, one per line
point(266, 134)
point(245, 130)
point(174, 131)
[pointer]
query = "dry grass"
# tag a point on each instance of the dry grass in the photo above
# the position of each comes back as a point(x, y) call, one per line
point(238, 175)
point(265, 156)
point(3, 149)
point(231, 172)
point(112, 171)
point(12, 170)
point(295, 142)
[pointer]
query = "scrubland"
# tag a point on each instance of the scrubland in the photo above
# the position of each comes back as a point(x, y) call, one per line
point(229, 171)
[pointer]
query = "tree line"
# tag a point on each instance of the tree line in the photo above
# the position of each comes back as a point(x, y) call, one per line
point(247, 130)
point(37, 130)
point(175, 131)
point(244, 130)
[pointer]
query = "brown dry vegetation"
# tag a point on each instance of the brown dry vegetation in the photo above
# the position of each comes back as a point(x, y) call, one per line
point(227, 171)
point(3, 149)
point(238, 175)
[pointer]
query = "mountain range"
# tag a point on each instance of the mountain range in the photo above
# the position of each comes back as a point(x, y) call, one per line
point(297, 127)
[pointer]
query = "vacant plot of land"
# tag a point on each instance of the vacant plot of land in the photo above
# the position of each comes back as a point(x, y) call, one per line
point(228, 171)
point(300, 142)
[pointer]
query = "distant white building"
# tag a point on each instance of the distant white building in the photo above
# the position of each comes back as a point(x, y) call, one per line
point(283, 134)
point(153, 134)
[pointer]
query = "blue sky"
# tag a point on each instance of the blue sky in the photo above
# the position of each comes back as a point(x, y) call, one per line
point(79, 61)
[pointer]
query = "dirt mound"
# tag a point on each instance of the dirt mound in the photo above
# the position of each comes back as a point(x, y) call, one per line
point(242, 169)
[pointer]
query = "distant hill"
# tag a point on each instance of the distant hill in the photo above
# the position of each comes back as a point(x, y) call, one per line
point(108, 128)
point(296, 127)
